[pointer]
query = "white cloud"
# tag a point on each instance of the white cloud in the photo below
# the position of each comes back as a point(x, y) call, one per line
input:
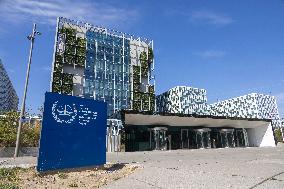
point(46, 11)
point(209, 17)
point(211, 54)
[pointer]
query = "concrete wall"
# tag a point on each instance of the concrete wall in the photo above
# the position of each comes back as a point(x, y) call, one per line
point(25, 151)
point(261, 136)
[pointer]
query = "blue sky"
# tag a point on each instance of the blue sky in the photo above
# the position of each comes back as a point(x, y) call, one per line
point(228, 47)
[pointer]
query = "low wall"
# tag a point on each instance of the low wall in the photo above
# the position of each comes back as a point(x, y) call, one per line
point(25, 151)
point(261, 136)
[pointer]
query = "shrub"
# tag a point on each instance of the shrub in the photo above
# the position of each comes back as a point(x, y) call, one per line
point(278, 135)
point(8, 131)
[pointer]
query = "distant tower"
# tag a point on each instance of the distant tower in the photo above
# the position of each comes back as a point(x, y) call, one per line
point(8, 97)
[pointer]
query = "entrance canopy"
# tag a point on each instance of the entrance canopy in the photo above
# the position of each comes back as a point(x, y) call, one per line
point(132, 118)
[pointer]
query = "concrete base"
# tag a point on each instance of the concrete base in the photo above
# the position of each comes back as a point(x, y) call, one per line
point(25, 151)
point(261, 136)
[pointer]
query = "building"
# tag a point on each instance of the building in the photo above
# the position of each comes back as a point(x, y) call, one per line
point(8, 98)
point(102, 64)
point(253, 105)
point(183, 100)
point(185, 120)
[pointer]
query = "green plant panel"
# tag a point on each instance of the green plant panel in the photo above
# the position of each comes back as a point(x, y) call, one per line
point(81, 42)
point(67, 78)
point(67, 88)
point(57, 77)
point(136, 78)
point(152, 97)
point(69, 59)
point(144, 71)
point(80, 51)
point(68, 31)
point(56, 87)
point(145, 96)
point(143, 59)
point(152, 106)
point(145, 105)
point(70, 49)
point(136, 70)
point(58, 58)
point(70, 39)
point(80, 61)
point(137, 96)
point(150, 55)
point(151, 89)
point(58, 68)
point(136, 87)
point(136, 105)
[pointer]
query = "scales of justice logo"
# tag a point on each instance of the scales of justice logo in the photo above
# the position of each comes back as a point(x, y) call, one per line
point(68, 113)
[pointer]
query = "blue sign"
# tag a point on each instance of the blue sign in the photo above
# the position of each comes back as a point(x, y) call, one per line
point(73, 133)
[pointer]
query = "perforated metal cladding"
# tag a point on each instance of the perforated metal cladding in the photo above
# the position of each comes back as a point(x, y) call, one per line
point(8, 97)
point(182, 99)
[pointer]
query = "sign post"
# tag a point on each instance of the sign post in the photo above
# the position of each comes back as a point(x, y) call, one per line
point(73, 133)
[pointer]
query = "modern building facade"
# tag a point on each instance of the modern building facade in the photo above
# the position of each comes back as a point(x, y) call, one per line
point(253, 105)
point(183, 100)
point(8, 98)
point(102, 64)
point(235, 125)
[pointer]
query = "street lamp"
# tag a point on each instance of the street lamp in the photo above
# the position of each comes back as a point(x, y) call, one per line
point(22, 114)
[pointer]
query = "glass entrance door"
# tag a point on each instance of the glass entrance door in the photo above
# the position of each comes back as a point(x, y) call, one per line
point(202, 138)
point(184, 138)
point(158, 139)
point(227, 138)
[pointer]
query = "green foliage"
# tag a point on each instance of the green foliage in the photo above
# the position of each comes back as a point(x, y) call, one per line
point(137, 96)
point(69, 59)
point(151, 89)
point(81, 42)
point(136, 87)
point(144, 71)
point(58, 67)
point(278, 135)
point(80, 60)
point(8, 178)
point(143, 59)
point(70, 39)
point(136, 105)
point(70, 49)
point(58, 58)
point(8, 129)
point(67, 88)
point(8, 186)
point(56, 87)
point(80, 51)
point(73, 185)
point(8, 174)
point(150, 55)
point(8, 132)
point(62, 175)
point(67, 78)
point(67, 31)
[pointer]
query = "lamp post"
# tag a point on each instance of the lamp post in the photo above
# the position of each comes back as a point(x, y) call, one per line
point(22, 114)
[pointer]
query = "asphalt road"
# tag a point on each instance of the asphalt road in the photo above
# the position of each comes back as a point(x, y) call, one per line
point(213, 168)
point(210, 168)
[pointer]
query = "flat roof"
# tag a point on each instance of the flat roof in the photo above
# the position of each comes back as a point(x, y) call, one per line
point(145, 118)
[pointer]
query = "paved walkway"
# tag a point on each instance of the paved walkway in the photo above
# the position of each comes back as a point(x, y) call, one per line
point(212, 168)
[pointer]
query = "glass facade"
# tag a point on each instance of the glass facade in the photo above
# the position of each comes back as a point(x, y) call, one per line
point(107, 70)
point(103, 64)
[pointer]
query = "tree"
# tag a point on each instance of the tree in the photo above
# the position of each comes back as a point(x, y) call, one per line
point(8, 131)
point(278, 135)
